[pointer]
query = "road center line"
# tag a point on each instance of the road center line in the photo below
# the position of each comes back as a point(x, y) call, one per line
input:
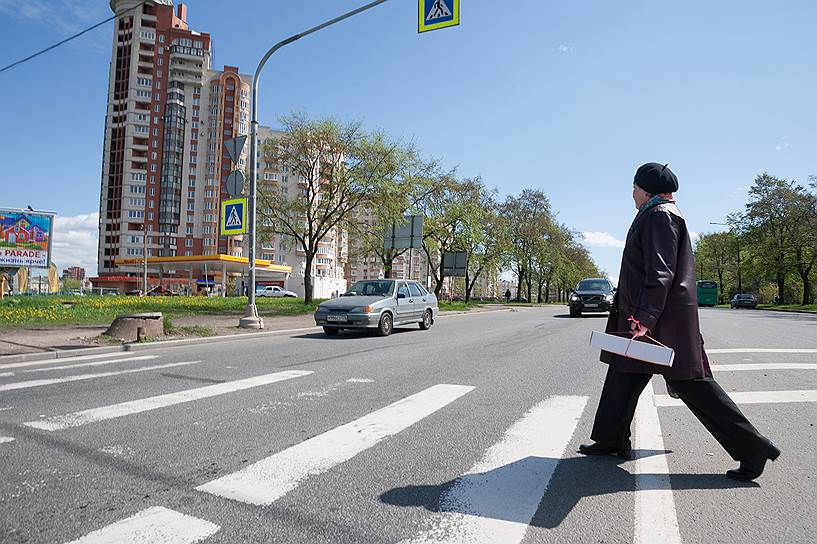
point(75, 419)
point(762, 350)
point(64, 360)
point(655, 517)
point(496, 500)
point(271, 478)
point(156, 525)
point(763, 366)
point(752, 397)
point(51, 381)
point(95, 363)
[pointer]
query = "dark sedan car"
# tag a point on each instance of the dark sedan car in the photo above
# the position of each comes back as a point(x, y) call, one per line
point(743, 300)
point(591, 295)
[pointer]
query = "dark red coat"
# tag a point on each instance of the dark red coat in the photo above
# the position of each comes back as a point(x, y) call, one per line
point(656, 285)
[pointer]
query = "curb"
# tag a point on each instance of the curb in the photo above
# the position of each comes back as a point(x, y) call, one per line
point(63, 353)
point(807, 312)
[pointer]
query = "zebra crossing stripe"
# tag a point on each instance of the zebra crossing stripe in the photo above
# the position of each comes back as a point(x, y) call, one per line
point(752, 397)
point(76, 419)
point(156, 525)
point(265, 481)
point(95, 363)
point(763, 366)
point(656, 519)
point(762, 350)
point(496, 500)
point(51, 381)
point(63, 360)
point(5, 439)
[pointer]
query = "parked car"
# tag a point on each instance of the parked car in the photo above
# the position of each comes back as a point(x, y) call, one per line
point(591, 295)
point(378, 305)
point(274, 291)
point(743, 300)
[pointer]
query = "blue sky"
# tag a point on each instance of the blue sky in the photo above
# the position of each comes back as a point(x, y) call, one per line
point(569, 97)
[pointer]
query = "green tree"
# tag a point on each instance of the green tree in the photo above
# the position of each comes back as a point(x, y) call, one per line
point(337, 165)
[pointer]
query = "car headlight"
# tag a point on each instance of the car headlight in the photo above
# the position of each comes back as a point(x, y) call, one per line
point(363, 310)
point(608, 298)
point(574, 297)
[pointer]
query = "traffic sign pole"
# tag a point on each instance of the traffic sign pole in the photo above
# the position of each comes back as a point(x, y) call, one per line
point(251, 320)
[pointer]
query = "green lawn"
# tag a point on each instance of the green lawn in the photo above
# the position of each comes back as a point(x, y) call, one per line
point(789, 307)
point(101, 310)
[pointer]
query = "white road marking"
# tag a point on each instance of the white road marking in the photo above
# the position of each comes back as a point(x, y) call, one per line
point(156, 525)
point(752, 397)
point(4, 439)
point(271, 478)
point(84, 417)
point(95, 363)
point(6, 374)
point(764, 366)
point(78, 377)
point(64, 360)
point(359, 380)
point(656, 520)
point(762, 350)
point(497, 498)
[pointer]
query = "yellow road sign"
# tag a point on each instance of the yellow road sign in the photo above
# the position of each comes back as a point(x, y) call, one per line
point(233, 216)
point(434, 14)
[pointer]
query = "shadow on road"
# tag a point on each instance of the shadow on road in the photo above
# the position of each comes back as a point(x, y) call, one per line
point(583, 316)
point(495, 494)
point(349, 334)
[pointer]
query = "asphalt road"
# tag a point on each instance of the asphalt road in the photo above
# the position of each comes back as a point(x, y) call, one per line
point(465, 433)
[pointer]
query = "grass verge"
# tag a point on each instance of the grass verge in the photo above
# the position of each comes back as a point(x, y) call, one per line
point(101, 310)
point(811, 308)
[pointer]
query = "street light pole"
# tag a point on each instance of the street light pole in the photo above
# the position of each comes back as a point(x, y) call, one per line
point(251, 320)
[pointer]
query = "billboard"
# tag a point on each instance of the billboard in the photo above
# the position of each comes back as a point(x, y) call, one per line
point(25, 238)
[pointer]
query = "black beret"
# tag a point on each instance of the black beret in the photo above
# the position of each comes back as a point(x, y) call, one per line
point(656, 178)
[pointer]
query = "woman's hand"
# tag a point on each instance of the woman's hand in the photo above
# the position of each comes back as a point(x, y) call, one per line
point(636, 328)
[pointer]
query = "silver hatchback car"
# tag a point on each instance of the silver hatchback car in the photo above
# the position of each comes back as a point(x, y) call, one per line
point(380, 305)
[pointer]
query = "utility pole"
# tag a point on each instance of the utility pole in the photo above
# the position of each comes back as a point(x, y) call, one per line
point(251, 320)
point(144, 260)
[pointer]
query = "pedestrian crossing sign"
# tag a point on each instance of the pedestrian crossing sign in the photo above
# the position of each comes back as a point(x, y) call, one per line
point(233, 216)
point(436, 14)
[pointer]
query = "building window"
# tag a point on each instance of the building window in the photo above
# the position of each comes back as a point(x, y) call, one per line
point(188, 243)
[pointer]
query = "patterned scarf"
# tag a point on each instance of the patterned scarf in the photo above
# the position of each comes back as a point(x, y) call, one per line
point(654, 201)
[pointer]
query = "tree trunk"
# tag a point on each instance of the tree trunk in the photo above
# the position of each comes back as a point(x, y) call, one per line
point(308, 278)
point(720, 286)
point(520, 278)
point(467, 287)
point(805, 275)
point(781, 289)
point(539, 294)
point(547, 292)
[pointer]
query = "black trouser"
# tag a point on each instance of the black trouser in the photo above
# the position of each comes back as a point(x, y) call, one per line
point(710, 404)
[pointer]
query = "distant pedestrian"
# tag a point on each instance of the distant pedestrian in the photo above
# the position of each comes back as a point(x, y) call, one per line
point(657, 296)
point(507, 295)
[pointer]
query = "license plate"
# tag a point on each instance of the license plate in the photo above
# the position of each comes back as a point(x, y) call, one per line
point(337, 318)
point(591, 304)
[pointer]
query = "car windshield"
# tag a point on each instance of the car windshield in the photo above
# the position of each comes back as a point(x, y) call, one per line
point(593, 285)
point(380, 288)
point(745, 297)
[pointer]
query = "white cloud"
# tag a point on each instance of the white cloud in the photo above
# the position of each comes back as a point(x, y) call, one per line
point(564, 48)
point(602, 239)
point(75, 242)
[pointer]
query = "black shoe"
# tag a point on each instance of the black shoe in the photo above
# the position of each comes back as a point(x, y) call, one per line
point(623, 452)
point(752, 468)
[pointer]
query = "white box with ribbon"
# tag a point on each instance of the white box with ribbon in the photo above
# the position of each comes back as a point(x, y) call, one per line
point(656, 353)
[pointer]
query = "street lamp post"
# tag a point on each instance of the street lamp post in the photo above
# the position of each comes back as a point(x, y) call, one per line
point(251, 320)
point(737, 242)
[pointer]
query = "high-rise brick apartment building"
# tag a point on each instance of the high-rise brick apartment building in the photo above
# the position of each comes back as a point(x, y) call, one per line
point(164, 166)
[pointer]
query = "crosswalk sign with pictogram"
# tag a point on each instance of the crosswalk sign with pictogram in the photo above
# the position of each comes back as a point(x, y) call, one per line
point(233, 216)
point(436, 14)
